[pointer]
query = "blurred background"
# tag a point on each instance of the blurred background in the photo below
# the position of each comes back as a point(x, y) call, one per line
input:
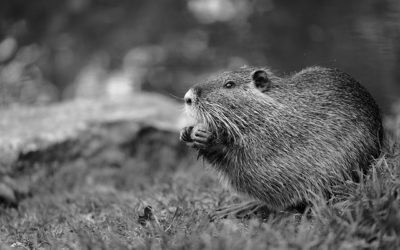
point(53, 51)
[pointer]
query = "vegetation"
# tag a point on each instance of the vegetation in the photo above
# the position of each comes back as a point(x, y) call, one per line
point(88, 205)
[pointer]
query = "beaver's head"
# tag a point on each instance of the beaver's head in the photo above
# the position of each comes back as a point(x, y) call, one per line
point(228, 102)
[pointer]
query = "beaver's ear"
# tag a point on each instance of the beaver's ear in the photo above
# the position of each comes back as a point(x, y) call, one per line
point(260, 79)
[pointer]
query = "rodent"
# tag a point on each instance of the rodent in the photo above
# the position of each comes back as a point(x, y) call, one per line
point(282, 140)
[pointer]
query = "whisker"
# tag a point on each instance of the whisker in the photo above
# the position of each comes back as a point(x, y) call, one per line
point(176, 97)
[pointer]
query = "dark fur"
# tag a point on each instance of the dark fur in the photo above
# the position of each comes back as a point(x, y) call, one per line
point(283, 146)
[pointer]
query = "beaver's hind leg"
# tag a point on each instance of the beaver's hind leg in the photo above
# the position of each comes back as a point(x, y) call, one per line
point(258, 209)
point(241, 211)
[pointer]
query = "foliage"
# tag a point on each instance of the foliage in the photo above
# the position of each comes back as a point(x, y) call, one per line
point(97, 206)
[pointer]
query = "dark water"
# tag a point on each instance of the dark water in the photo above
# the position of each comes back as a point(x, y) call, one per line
point(166, 46)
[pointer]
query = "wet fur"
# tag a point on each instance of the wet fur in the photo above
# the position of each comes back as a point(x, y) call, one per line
point(307, 132)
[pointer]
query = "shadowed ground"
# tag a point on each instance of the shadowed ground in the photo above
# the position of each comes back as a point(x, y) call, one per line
point(90, 168)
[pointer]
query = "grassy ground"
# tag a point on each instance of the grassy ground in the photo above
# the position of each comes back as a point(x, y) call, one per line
point(97, 206)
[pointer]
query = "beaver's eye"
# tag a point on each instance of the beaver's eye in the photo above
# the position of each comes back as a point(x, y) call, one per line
point(229, 84)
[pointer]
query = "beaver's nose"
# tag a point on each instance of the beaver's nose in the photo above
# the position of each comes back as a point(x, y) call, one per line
point(189, 97)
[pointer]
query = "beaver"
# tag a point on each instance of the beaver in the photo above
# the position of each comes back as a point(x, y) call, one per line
point(283, 140)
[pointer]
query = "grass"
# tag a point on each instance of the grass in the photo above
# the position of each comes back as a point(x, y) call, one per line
point(97, 206)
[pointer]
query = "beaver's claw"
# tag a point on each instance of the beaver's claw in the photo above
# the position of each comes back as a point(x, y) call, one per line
point(201, 138)
point(196, 137)
point(185, 134)
point(241, 211)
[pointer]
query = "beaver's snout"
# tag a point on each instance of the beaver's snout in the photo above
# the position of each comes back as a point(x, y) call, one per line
point(191, 96)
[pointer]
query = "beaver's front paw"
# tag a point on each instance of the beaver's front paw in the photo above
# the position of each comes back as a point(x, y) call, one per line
point(185, 135)
point(201, 137)
point(197, 137)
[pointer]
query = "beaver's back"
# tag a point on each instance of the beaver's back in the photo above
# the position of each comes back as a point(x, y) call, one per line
point(337, 111)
